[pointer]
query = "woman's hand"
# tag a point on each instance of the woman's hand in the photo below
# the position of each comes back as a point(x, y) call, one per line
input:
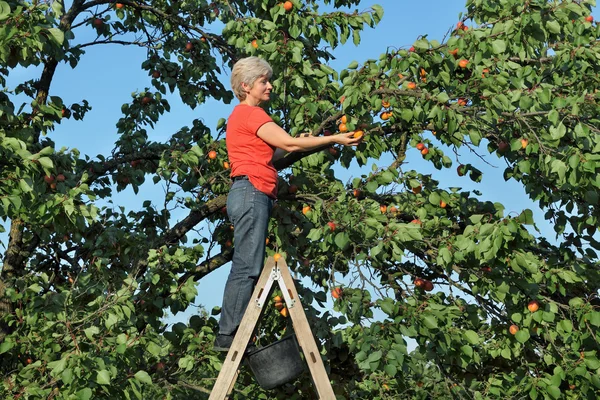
point(347, 139)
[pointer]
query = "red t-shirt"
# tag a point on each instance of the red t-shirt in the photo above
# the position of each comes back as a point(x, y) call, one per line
point(248, 154)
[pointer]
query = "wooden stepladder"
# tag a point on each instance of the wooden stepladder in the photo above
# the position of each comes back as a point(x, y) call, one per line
point(273, 271)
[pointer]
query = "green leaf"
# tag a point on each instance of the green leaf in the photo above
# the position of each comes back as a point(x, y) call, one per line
point(430, 321)
point(498, 46)
point(378, 11)
point(467, 350)
point(84, 394)
point(91, 331)
point(566, 325)
point(391, 370)
point(57, 366)
point(553, 117)
point(375, 356)
point(553, 26)
point(526, 217)
point(594, 319)
point(592, 363)
point(57, 35)
point(342, 240)
point(67, 376)
point(406, 114)
point(472, 336)
point(353, 65)
point(46, 163)
point(4, 10)
point(387, 306)
point(6, 346)
point(103, 377)
point(522, 335)
point(154, 349)
point(356, 37)
point(143, 377)
point(434, 198)
point(553, 391)
point(422, 44)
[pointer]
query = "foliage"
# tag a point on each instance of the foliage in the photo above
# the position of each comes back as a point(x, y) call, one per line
point(85, 285)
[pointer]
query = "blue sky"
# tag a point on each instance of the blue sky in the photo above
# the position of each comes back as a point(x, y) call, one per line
point(108, 74)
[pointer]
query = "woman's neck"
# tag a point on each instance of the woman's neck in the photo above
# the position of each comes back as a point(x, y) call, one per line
point(250, 102)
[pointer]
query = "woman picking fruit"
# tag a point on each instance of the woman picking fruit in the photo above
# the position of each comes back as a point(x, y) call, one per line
point(252, 138)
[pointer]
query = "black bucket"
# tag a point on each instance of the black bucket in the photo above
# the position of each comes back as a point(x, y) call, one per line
point(276, 363)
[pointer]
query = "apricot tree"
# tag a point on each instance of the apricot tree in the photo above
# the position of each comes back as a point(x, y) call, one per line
point(85, 287)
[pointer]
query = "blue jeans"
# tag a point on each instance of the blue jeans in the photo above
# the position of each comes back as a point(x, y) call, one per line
point(248, 210)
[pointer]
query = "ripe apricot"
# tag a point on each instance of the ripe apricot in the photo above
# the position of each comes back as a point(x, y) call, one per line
point(428, 286)
point(386, 115)
point(336, 292)
point(288, 5)
point(225, 165)
point(305, 210)
point(344, 119)
point(443, 204)
point(425, 151)
point(212, 155)
point(343, 128)
point(513, 329)
point(411, 86)
point(533, 306)
point(358, 134)
point(255, 44)
point(276, 257)
point(463, 63)
point(284, 312)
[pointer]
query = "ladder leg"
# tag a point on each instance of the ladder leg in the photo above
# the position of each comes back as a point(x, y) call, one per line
point(237, 373)
point(230, 368)
point(305, 337)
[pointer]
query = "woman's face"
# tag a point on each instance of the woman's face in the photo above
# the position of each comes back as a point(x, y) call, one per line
point(261, 90)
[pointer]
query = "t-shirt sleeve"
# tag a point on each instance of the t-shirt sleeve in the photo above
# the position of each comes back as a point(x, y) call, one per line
point(257, 118)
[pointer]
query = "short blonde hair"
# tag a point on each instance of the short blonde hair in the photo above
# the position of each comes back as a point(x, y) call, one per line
point(248, 70)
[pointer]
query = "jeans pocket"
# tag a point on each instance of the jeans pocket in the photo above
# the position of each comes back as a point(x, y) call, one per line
point(236, 199)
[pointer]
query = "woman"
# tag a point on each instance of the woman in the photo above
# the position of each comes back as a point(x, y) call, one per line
point(251, 139)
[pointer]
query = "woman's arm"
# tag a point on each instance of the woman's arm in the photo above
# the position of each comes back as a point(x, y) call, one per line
point(277, 137)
